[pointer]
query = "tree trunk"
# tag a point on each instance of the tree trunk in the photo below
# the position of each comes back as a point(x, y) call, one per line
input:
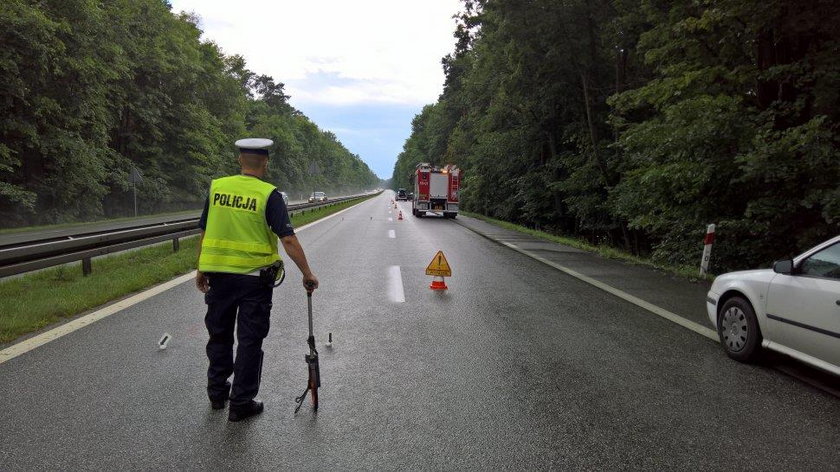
point(593, 133)
point(620, 77)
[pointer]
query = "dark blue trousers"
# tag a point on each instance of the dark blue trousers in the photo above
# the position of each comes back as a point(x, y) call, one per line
point(242, 302)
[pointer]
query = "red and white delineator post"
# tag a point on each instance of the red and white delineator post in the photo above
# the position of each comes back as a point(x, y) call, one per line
point(707, 249)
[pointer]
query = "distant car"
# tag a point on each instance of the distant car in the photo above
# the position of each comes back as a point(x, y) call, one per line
point(793, 308)
point(411, 195)
point(317, 197)
point(401, 195)
point(285, 198)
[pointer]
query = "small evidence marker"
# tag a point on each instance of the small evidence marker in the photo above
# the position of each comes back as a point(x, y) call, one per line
point(164, 341)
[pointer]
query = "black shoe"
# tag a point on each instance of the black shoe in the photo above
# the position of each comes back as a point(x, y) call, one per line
point(240, 412)
point(218, 404)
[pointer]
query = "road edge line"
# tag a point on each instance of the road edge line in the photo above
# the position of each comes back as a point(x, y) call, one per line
point(39, 340)
point(650, 307)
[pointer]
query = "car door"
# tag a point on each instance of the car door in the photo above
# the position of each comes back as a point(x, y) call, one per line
point(803, 309)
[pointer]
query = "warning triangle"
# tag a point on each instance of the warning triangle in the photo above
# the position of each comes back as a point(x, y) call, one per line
point(439, 266)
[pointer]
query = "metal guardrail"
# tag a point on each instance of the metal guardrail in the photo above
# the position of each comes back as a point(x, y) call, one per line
point(41, 253)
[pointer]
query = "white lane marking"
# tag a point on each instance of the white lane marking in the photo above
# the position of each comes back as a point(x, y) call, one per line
point(697, 328)
point(36, 341)
point(395, 285)
point(391, 220)
point(392, 234)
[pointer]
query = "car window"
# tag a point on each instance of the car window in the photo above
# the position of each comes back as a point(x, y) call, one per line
point(825, 263)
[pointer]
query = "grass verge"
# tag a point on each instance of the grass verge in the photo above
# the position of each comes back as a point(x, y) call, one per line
point(34, 301)
point(690, 273)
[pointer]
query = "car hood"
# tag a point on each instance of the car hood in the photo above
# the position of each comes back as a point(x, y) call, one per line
point(756, 275)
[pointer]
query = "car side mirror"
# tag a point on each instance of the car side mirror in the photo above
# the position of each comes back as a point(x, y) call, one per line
point(785, 266)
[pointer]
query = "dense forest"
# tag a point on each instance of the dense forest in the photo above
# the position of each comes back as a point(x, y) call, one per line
point(90, 90)
point(637, 123)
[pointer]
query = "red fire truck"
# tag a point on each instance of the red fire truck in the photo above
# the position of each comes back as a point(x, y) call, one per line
point(436, 190)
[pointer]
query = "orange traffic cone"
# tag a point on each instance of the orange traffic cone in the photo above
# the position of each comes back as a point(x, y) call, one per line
point(400, 217)
point(438, 284)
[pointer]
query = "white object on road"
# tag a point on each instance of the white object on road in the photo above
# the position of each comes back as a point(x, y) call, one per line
point(707, 249)
point(164, 341)
point(392, 234)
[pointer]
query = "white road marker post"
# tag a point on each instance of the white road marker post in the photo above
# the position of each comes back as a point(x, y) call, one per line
point(164, 341)
point(707, 249)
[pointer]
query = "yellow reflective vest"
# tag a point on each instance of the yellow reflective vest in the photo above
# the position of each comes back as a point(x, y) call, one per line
point(237, 239)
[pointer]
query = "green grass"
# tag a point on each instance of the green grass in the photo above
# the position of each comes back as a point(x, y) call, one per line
point(609, 252)
point(34, 301)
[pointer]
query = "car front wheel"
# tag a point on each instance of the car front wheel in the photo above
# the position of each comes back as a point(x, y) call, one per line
point(738, 329)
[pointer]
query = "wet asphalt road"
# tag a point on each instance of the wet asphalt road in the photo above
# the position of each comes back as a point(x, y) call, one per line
point(515, 366)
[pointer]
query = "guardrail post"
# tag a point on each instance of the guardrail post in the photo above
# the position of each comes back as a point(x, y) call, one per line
point(176, 244)
point(86, 267)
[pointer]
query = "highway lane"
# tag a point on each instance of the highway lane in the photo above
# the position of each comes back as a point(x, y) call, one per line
point(516, 366)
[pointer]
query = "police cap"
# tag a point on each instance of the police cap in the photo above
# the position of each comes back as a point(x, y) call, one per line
point(254, 146)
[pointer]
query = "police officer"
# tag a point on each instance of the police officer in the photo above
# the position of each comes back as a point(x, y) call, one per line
point(237, 253)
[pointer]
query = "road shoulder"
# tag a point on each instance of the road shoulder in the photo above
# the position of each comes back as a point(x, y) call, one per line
point(656, 291)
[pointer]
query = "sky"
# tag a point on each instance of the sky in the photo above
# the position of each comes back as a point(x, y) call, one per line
point(359, 68)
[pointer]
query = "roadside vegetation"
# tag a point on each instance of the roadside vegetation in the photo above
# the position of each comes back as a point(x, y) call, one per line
point(639, 123)
point(33, 301)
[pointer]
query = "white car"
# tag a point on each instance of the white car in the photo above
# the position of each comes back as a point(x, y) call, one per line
point(793, 308)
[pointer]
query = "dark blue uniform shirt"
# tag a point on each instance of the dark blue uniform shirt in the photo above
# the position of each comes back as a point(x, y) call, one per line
point(276, 215)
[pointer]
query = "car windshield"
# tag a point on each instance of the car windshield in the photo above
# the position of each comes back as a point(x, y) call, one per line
point(825, 263)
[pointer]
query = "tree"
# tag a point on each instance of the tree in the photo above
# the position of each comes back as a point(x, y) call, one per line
point(91, 90)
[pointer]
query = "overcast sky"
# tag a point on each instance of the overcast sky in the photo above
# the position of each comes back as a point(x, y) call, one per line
point(359, 68)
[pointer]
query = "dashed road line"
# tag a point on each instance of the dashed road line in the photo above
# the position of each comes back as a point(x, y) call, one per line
point(396, 293)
